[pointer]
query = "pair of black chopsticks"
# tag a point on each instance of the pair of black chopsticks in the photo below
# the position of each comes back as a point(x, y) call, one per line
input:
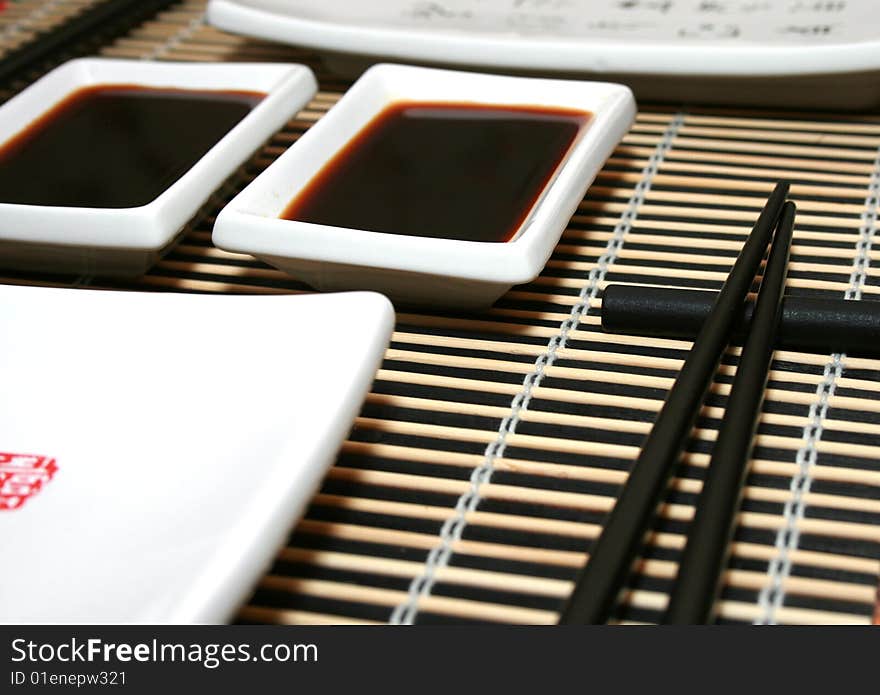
point(705, 555)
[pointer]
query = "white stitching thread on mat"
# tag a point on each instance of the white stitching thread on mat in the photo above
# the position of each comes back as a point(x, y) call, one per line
point(177, 38)
point(867, 229)
point(772, 596)
point(453, 527)
point(788, 537)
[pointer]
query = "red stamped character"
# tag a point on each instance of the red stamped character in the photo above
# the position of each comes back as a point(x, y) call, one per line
point(22, 476)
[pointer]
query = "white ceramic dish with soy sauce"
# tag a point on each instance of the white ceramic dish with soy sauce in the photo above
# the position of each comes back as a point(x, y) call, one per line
point(348, 231)
point(63, 208)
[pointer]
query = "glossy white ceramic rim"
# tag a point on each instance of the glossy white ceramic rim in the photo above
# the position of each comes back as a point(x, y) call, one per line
point(611, 56)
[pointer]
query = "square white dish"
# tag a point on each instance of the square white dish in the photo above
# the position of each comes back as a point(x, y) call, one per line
point(188, 433)
point(127, 241)
point(773, 52)
point(412, 269)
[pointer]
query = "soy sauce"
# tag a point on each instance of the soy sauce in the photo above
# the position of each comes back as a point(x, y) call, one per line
point(448, 170)
point(116, 146)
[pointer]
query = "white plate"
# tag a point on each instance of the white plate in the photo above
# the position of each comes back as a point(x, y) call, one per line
point(188, 432)
point(834, 44)
point(129, 240)
point(418, 269)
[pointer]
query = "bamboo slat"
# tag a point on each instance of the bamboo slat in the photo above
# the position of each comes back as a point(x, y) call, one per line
point(24, 21)
point(438, 509)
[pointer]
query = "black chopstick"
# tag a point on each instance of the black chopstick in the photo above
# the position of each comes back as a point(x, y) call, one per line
point(596, 590)
point(711, 530)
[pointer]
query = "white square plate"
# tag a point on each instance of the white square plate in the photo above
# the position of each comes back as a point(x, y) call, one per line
point(127, 241)
point(188, 433)
point(417, 269)
point(785, 53)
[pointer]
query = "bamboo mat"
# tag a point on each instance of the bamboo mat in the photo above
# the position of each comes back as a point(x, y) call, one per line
point(24, 21)
point(493, 443)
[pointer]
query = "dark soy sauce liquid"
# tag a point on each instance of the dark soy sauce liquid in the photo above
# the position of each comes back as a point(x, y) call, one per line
point(116, 146)
point(449, 170)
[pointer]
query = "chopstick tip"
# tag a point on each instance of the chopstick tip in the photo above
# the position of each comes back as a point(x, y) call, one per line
point(782, 187)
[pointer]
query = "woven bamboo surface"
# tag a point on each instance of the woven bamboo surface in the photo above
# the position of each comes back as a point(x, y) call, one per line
point(493, 443)
point(23, 21)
